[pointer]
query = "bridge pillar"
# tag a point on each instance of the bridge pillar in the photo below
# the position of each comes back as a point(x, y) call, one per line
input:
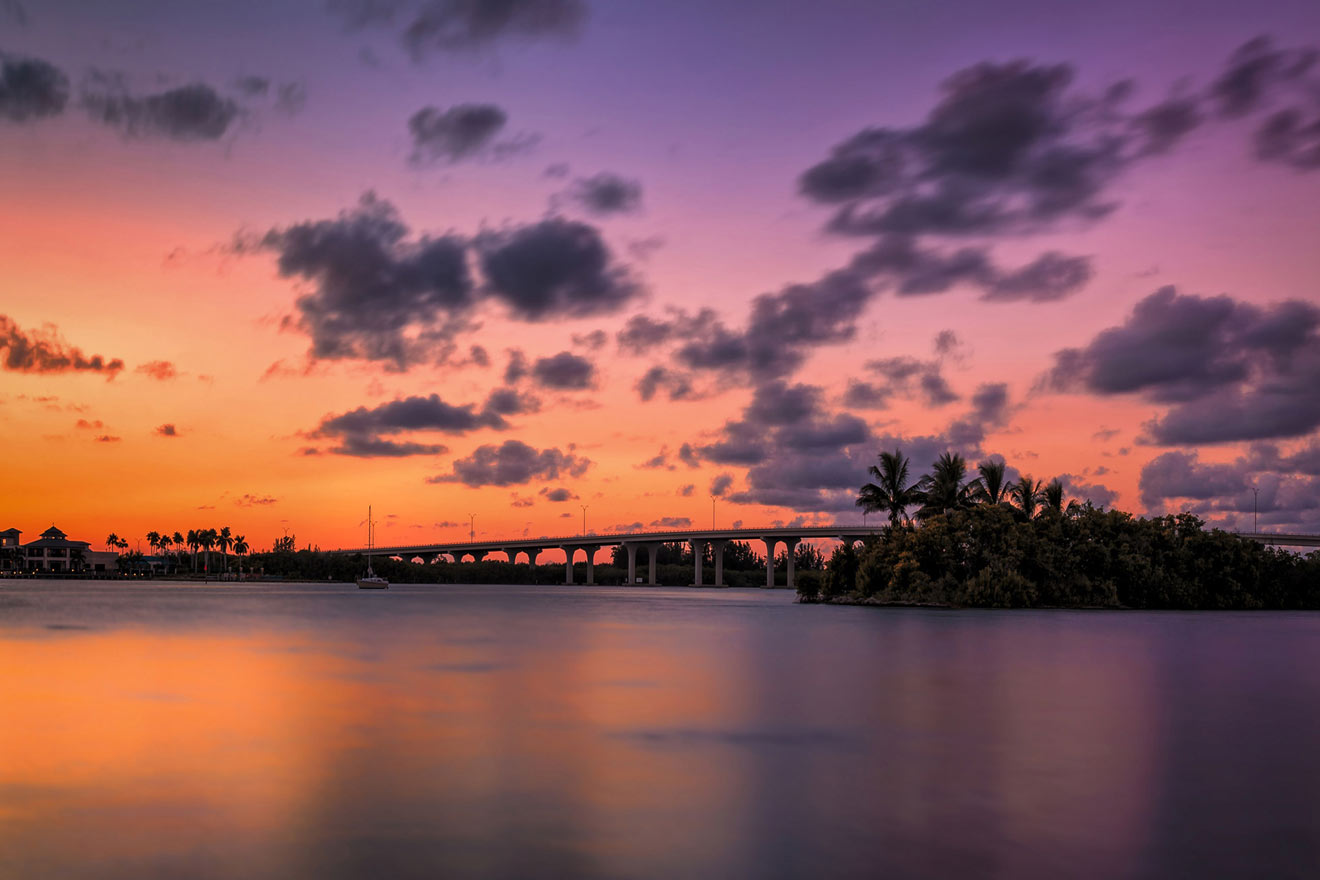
point(532, 554)
point(654, 550)
point(632, 563)
point(698, 550)
point(591, 565)
point(790, 550)
point(568, 556)
point(770, 562)
point(512, 554)
point(718, 551)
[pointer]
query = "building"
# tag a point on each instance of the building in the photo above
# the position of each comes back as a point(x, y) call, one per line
point(53, 551)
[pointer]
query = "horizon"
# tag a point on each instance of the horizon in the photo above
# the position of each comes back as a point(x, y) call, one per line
point(270, 264)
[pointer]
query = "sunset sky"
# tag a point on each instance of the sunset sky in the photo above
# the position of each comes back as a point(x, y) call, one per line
point(267, 263)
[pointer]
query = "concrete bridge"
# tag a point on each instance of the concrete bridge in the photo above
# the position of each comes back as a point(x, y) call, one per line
point(632, 542)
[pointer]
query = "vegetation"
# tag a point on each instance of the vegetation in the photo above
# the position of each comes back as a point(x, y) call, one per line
point(976, 547)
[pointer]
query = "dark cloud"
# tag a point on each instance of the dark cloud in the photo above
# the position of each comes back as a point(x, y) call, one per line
point(1182, 475)
point(1255, 70)
point(605, 193)
point(1051, 276)
point(167, 430)
point(511, 402)
point(721, 484)
point(359, 432)
point(1231, 370)
point(1007, 148)
point(1097, 493)
point(431, 26)
point(990, 410)
point(688, 456)
point(108, 438)
point(558, 495)
point(513, 463)
point(194, 112)
point(461, 132)
point(161, 371)
point(255, 500)
point(564, 371)
point(253, 86)
point(517, 367)
point(910, 377)
point(378, 295)
point(45, 352)
point(1162, 126)
point(947, 343)
point(687, 490)
point(866, 395)
point(1291, 137)
point(594, 341)
point(31, 89)
point(659, 461)
point(554, 269)
point(671, 522)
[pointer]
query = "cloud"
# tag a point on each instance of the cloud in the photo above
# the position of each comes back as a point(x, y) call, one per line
point(31, 89)
point(1254, 71)
point(687, 489)
point(556, 268)
point(1181, 475)
point(721, 484)
point(194, 112)
point(255, 501)
point(1291, 138)
point(161, 371)
point(108, 438)
point(167, 430)
point(1051, 276)
point(1096, 493)
point(558, 495)
point(445, 26)
point(564, 371)
point(45, 352)
point(86, 425)
point(378, 296)
point(463, 131)
point(513, 463)
point(359, 431)
point(659, 461)
point(671, 522)
point(1230, 370)
point(14, 11)
point(909, 377)
point(605, 193)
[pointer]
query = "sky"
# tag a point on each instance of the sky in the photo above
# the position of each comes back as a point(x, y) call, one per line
point(480, 264)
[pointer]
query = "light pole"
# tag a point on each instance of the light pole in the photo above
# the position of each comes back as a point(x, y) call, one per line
point(472, 527)
point(584, 517)
point(1255, 506)
point(712, 513)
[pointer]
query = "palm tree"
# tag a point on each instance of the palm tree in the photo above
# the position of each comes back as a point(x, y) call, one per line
point(178, 542)
point(153, 540)
point(992, 486)
point(1052, 496)
point(111, 541)
point(891, 491)
point(224, 541)
point(1026, 492)
point(946, 488)
point(194, 543)
point(240, 550)
point(207, 538)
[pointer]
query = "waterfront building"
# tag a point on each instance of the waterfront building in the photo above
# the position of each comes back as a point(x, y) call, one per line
point(54, 551)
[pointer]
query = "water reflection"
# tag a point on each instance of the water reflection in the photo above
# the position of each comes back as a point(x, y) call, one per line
point(155, 731)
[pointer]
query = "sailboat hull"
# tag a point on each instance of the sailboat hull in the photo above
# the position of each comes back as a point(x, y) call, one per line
point(373, 583)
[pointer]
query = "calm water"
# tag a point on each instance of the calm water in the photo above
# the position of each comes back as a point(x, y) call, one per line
point(320, 731)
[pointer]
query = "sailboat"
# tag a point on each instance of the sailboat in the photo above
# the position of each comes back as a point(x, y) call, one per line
point(371, 581)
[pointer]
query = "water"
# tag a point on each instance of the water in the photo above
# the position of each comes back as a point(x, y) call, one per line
point(319, 731)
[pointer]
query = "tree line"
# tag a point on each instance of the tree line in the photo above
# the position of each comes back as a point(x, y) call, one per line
point(991, 542)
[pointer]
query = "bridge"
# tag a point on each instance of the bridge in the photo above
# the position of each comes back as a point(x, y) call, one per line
point(632, 542)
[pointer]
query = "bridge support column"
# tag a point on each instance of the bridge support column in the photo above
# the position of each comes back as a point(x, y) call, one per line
point(632, 563)
point(532, 554)
point(568, 567)
point(698, 550)
point(654, 550)
point(477, 555)
point(790, 550)
point(717, 548)
point(770, 562)
point(591, 565)
point(512, 554)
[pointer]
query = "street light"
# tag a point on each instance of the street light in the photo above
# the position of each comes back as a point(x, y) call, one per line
point(1255, 506)
point(584, 517)
point(712, 513)
point(472, 527)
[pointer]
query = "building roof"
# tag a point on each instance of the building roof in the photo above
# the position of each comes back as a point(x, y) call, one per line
point(53, 532)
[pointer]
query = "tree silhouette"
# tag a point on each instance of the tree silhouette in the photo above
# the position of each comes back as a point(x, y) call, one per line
point(891, 492)
point(946, 488)
point(1026, 493)
point(991, 487)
